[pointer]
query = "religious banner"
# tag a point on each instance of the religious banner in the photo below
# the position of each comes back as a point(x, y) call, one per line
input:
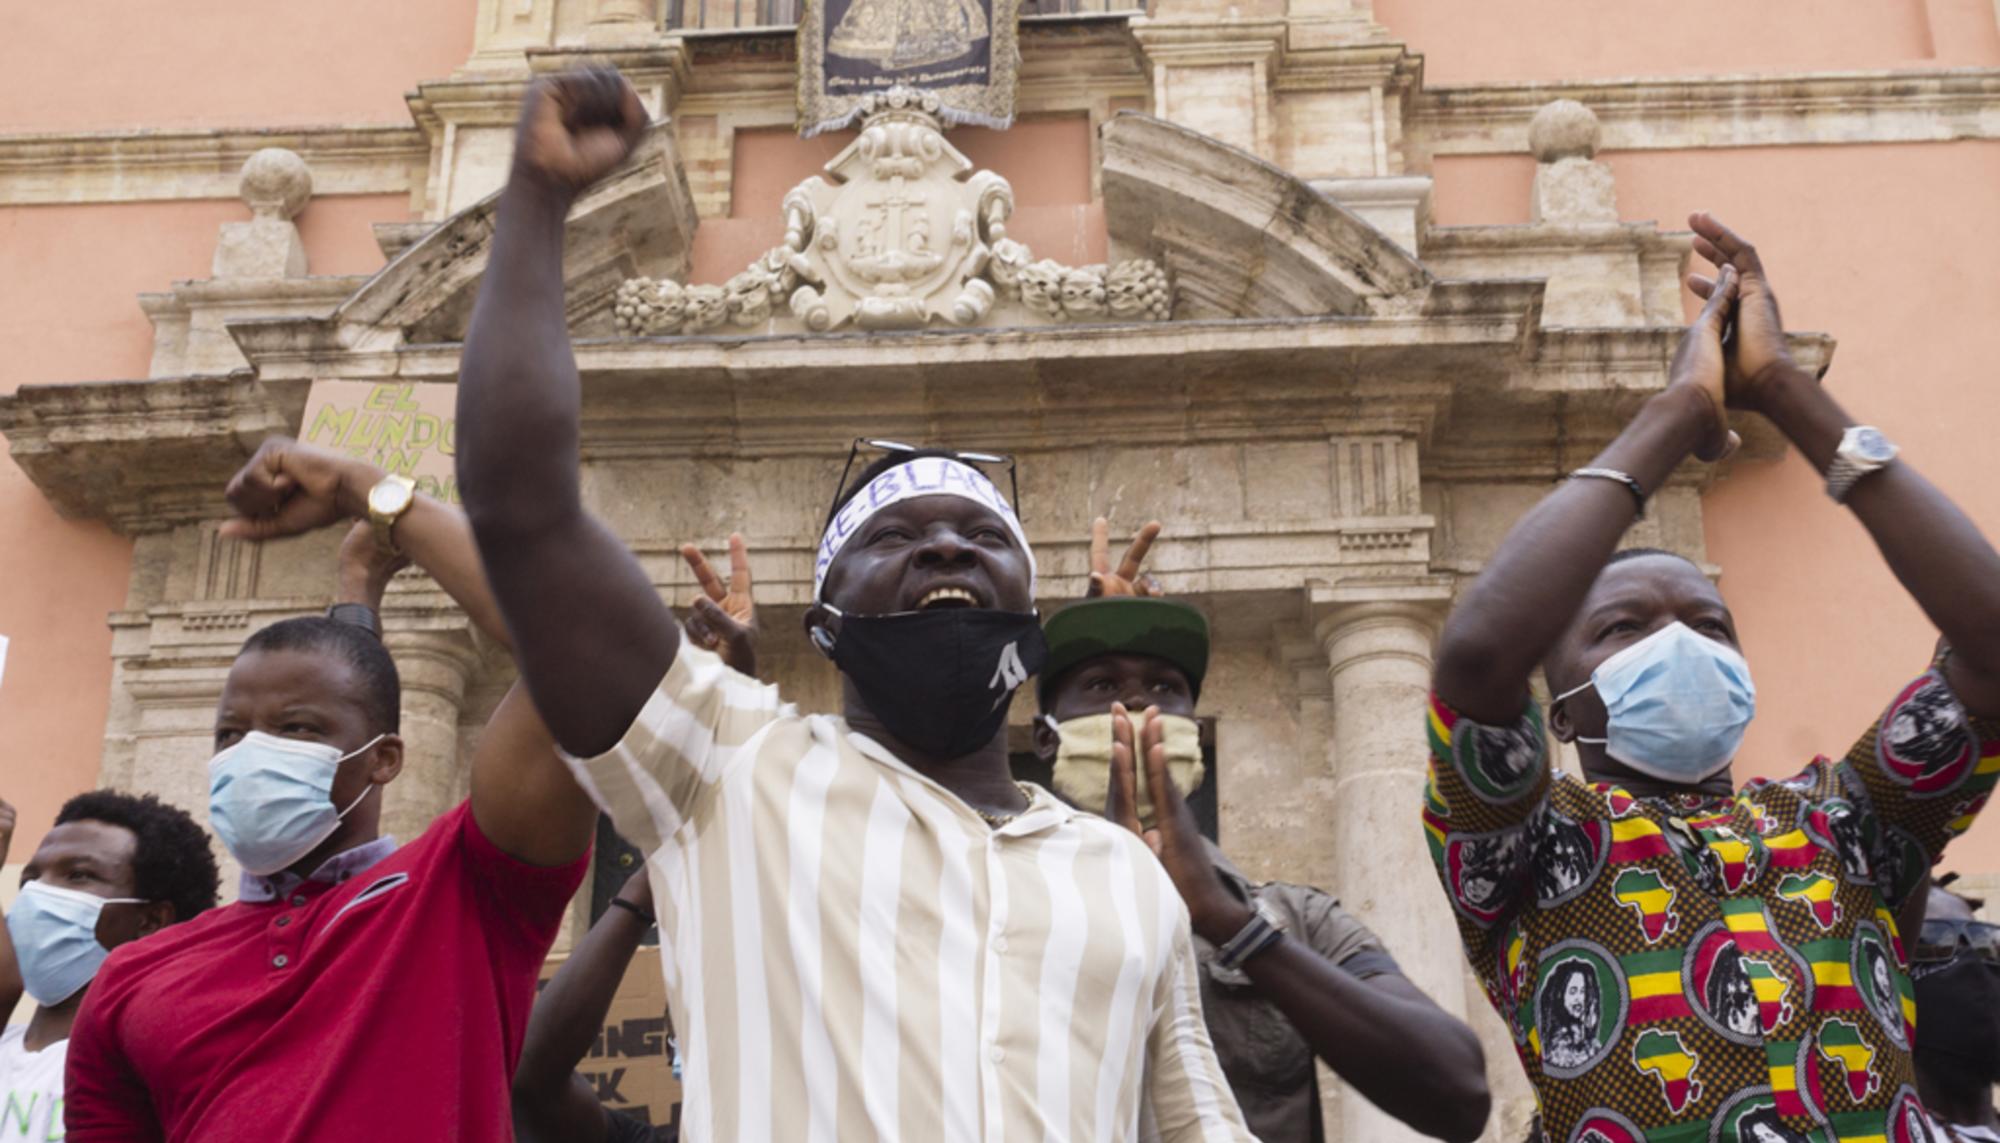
point(962, 51)
point(409, 428)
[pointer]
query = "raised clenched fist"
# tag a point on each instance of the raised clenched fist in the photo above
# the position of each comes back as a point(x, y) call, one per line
point(576, 126)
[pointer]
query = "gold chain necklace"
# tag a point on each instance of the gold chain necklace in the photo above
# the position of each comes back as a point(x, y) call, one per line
point(997, 820)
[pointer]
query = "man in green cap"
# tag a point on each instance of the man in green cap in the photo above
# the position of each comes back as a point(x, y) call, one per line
point(1286, 974)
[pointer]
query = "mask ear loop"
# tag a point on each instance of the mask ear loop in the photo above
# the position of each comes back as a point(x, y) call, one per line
point(372, 786)
point(822, 640)
point(1577, 690)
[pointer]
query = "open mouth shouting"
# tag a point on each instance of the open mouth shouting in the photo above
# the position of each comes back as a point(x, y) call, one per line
point(944, 596)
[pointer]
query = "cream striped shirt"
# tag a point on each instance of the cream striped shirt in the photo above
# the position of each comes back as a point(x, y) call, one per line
point(855, 955)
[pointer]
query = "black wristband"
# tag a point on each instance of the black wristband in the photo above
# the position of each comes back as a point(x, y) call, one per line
point(1625, 478)
point(622, 903)
point(357, 614)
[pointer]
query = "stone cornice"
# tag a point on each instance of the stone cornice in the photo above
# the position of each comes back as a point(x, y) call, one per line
point(140, 455)
point(1891, 106)
point(140, 166)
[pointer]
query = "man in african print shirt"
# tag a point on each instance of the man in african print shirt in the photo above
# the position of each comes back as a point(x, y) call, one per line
point(1679, 960)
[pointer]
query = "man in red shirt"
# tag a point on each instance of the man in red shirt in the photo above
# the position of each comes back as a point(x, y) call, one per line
point(356, 991)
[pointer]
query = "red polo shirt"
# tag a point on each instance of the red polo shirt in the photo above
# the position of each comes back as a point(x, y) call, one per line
point(387, 1007)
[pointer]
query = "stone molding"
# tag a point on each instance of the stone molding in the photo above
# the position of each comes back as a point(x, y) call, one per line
point(143, 456)
point(1905, 105)
point(1802, 109)
point(1240, 236)
point(165, 165)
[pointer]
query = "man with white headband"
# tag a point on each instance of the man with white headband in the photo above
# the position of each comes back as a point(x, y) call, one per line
point(1679, 959)
point(874, 932)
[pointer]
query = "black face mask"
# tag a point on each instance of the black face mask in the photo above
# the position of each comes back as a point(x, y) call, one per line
point(1958, 1019)
point(940, 681)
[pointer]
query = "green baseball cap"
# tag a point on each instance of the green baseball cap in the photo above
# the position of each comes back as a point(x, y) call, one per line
point(1129, 625)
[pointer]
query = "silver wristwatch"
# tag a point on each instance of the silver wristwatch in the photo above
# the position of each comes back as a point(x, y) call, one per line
point(1863, 449)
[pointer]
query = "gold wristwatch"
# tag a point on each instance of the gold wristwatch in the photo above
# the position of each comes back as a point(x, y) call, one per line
point(387, 501)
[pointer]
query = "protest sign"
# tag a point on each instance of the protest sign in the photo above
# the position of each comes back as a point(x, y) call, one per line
point(409, 428)
point(628, 1063)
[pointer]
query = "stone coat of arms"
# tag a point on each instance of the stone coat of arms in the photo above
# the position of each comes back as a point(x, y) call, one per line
point(900, 233)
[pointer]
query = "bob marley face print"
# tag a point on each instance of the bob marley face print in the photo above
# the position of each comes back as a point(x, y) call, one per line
point(1568, 856)
point(1764, 1126)
point(1876, 978)
point(1925, 742)
point(1730, 995)
point(1572, 1012)
point(1482, 868)
point(1579, 1007)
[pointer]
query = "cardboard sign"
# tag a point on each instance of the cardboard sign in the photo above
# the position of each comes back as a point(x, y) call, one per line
point(406, 427)
point(628, 1063)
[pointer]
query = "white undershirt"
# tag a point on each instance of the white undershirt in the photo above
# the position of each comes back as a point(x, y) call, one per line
point(31, 1085)
point(1951, 1131)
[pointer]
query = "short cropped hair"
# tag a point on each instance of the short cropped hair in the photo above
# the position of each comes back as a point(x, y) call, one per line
point(1625, 554)
point(172, 861)
point(353, 645)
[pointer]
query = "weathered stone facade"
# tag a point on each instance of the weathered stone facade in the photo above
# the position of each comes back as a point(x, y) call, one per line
point(1344, 410)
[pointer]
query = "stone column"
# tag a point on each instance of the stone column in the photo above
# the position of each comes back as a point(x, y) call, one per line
point(1379, 664)
point(436, 666)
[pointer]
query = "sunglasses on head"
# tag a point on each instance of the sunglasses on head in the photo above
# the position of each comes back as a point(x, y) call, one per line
point(1943, 939)
point(977, 460)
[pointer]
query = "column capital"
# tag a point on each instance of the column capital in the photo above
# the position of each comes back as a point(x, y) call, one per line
point(436, 654)
point(1339, 608)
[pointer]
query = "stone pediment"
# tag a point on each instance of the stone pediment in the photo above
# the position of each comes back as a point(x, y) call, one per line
point(640, 219)
point(900, 232)
point(1240, 237)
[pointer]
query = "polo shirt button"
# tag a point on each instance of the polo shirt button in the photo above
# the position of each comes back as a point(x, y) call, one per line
point(997, 1054)
point(298, 900)
point(280, 961)
point(284, 920)
point(999, 944)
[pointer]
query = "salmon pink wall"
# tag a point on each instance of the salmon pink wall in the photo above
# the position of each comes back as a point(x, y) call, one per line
point(1895, 249)
point(118, 64)
point(1499, 40)
point(74, 316)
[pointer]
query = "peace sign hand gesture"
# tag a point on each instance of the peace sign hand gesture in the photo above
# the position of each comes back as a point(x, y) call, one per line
point(724, 620)
point(1126, 580)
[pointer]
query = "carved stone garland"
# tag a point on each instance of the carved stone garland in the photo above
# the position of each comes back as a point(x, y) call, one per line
point(900, 238)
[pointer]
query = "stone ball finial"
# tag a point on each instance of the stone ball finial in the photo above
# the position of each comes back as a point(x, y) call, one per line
point(276, 183)
point(1563, 129)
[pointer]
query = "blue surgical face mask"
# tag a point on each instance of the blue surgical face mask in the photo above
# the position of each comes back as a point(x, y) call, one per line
point(1678, 704)
point(270, 799)
point(55, 939)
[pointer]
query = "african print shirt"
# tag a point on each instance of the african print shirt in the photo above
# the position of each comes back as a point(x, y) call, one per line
point(1702, 968)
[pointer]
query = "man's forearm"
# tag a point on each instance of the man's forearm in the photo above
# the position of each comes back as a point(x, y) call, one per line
point(438, 538)
point(1519, 606)
point(570, 1011)
point(1942, 559)
point(1403, 1053)
point(519, 399)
